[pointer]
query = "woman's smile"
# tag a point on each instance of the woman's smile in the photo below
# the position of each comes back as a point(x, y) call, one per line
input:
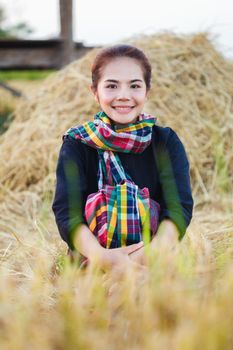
point(123, 109)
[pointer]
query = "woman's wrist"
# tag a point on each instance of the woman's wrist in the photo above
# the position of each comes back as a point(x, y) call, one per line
point(87, 244)
point(167, 234)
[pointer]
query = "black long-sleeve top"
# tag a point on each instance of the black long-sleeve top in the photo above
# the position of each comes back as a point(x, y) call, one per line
point(163, 167)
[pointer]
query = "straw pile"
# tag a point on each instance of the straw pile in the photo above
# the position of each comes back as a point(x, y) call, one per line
point(8, 102)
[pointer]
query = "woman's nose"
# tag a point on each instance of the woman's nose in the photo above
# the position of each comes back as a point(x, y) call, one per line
point(123, 94)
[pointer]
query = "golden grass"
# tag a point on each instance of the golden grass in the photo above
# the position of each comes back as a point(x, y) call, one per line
point(186, 301)
point(46, 303)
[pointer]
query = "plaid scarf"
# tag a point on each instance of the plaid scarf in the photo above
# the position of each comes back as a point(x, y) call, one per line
point(123, 210)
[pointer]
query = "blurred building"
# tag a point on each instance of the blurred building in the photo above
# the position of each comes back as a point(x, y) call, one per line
point(44, 54)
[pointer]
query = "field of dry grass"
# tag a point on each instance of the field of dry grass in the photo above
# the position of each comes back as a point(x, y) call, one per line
point(184, 301)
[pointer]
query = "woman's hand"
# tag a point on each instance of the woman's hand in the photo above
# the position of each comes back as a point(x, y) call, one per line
point(139, 256)
point(117, 259)
point(166, 238)
point(130, 256)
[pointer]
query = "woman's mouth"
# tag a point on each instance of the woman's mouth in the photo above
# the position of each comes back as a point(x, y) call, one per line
point(123, 109)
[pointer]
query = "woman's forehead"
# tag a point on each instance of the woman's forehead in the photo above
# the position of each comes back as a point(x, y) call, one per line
point(122, 68)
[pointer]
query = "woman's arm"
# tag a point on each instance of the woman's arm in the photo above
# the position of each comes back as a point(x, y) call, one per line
point(173, 166)
point(167, 237)
point(71, 185)
point(86, 243)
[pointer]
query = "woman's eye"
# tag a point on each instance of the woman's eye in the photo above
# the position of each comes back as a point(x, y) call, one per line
point(111, 86)
point(135, 86)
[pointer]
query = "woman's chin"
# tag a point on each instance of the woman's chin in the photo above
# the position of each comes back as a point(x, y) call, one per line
point(123, 119)
point(124, 122)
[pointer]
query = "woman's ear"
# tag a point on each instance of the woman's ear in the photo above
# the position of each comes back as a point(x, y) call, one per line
point(94, 92)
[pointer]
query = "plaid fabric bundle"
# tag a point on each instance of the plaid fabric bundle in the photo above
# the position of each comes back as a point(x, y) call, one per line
point(119, 212)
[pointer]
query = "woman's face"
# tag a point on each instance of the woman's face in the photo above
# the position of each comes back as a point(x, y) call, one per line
point(121, 90)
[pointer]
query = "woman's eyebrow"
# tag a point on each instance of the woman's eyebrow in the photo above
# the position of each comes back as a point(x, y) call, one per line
point(117, 81)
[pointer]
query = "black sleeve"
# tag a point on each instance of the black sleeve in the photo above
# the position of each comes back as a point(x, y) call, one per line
point(68, 206)
point(173, 166)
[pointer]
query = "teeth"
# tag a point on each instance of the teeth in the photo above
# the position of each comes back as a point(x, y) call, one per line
point(123, 107)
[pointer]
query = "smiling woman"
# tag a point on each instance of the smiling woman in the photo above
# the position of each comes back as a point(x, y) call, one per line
point(121, 179)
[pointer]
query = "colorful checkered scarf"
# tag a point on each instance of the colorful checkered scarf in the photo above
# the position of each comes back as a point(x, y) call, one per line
point(118, 213)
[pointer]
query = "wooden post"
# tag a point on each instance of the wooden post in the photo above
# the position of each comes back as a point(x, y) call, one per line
point(66, 34)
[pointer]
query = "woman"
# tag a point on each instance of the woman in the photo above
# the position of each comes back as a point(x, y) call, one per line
point(121, 173)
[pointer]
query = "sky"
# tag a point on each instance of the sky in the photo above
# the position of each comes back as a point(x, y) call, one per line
point(105, 22)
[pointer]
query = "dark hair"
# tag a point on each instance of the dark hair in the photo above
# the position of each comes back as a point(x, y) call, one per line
point(109, 53)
